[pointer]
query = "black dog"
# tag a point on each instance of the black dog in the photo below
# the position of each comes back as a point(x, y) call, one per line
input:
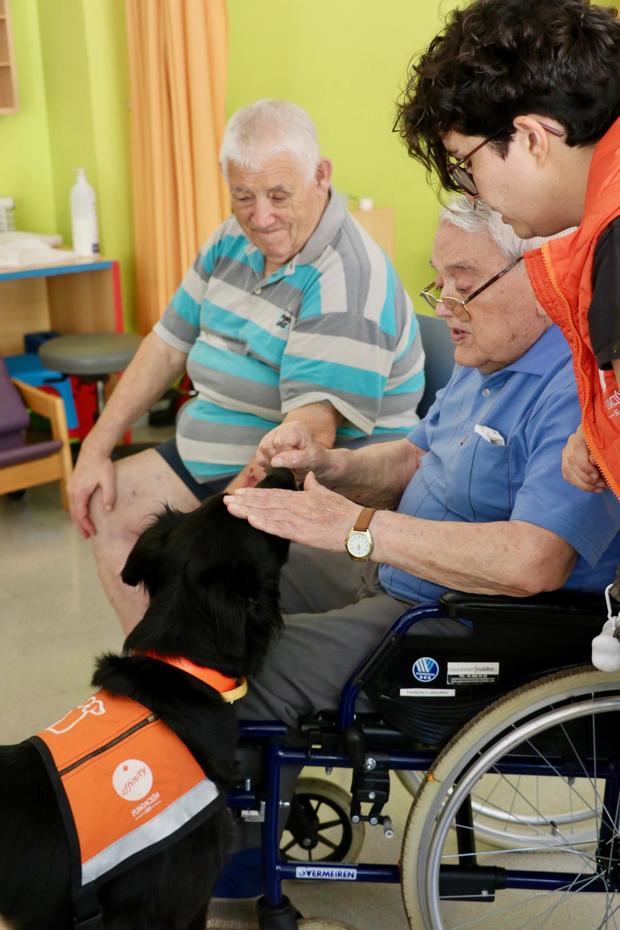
point(213, 586)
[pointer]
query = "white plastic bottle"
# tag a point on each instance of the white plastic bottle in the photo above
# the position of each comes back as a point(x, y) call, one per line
point(7, 214)
point(84, 225)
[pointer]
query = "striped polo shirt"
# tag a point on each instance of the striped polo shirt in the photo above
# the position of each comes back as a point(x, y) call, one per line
point(334, 324)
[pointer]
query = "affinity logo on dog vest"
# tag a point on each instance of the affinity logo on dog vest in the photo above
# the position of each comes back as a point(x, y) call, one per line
point(132, 779)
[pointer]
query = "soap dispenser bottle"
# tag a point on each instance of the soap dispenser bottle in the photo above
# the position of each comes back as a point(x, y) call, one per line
point(84, 227)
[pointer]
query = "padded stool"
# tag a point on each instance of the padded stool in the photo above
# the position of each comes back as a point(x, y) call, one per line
point(90, 356)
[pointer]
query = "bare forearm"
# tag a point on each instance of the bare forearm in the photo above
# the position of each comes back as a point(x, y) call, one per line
point(512, 558)
point(152, 370)
point(376, 475)
point(321, 419)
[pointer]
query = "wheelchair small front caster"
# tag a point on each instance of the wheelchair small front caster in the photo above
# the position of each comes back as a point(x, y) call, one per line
point(319, 825)
point(283, 917)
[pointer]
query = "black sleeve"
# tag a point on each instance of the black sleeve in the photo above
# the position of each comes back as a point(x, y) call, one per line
point(604, 313)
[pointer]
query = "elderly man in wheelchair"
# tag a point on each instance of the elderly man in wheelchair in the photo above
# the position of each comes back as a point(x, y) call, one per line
point(473, 501)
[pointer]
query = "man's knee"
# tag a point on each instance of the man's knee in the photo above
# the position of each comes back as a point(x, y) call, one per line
point(133, 504)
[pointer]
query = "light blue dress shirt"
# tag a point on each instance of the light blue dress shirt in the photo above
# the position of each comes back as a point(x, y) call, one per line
point(493, 452)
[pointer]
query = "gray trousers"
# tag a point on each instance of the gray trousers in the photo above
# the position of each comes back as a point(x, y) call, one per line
point(334, 613)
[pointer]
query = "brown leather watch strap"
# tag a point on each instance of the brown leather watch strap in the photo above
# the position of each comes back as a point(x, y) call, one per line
point(363, 521)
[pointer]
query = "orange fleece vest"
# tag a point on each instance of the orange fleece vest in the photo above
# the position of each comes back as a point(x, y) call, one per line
point(561, 275)
point(126, 784)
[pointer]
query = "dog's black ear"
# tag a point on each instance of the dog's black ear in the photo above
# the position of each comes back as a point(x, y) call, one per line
point(147, 560)
point(244, 615)
point(263, 622)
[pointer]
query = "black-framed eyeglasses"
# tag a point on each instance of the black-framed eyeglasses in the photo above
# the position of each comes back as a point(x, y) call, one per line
point(455, 305)
point(462, 177)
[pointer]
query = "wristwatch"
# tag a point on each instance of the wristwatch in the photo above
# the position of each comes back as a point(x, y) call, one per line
point(359, 542)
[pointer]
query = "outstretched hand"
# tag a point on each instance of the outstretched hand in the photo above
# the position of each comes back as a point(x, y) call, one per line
point(314, 516)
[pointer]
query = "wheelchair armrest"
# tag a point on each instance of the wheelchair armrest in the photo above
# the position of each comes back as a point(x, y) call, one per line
point(548, 606)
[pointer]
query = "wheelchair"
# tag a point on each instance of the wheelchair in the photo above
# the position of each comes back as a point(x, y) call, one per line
point(510, 746)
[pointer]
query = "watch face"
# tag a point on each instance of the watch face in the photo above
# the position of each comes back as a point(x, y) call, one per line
point(359, 545)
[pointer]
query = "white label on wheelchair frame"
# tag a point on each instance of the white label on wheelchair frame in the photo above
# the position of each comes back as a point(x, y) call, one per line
point(427, 692)
point(333, 873)
point(471, 673)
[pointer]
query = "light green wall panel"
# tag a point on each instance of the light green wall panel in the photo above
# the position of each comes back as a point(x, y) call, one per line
point(73, 85)
point(84, 52)
point(345, 61)
point(25, 169)
point(106, 41)
point(67, 84)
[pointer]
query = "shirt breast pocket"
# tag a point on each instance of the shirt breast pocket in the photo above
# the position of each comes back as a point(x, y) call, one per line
point(482, 490)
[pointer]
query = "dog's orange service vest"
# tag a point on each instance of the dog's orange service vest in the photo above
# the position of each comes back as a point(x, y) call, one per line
point(126, 784)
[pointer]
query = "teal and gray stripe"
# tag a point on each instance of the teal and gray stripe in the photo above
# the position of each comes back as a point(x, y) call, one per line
point(334, 324)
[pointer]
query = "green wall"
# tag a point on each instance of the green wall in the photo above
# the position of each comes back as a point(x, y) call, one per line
point(71, 59)
point(345, 62)
point(84, 54)
point(25, 168)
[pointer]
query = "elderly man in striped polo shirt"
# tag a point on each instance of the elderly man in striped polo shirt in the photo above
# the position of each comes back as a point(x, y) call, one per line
point(290, 313)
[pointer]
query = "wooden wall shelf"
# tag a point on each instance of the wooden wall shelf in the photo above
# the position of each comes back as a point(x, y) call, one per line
point(8, 77)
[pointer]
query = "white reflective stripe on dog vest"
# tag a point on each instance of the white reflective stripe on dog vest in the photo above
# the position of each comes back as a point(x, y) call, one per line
point(129, 781)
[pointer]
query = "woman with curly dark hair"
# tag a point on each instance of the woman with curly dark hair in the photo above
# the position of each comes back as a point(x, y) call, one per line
point(519, 103)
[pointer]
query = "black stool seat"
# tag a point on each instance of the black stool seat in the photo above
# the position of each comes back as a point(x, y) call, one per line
point(89, 354)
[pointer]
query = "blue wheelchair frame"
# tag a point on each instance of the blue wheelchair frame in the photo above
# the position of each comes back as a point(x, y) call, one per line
point(277, 756)
point(275, 910)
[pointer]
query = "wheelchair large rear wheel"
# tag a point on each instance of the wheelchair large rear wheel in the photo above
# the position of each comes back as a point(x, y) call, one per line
point(563, 730)
point(514, 822)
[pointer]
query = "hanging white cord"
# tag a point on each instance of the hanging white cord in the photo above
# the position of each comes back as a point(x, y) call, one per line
point(606, 646)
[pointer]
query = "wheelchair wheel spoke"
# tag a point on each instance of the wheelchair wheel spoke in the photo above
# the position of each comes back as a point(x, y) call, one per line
point(546, 747)
point(328, 843)
point(288, 846)
point(329, 824)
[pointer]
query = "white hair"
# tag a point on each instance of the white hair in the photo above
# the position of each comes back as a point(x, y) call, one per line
point(266, 128)
point(478, 217)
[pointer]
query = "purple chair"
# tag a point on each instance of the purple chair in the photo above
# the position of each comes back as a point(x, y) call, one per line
point(24, 464)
